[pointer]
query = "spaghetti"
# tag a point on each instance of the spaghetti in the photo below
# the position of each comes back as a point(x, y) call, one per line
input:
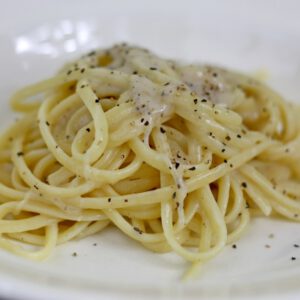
point(178, 157)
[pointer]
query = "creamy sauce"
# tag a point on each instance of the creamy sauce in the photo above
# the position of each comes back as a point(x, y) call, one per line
point(209, 82)
point(156, 83)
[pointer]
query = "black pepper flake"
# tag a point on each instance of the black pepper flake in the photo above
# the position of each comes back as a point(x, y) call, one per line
point(177, 164)
point(296, 246)
point(223, 150)
point(97, 100)
point(82, 86)
point(95, 244)
point(153, 69)
point(109, 200)
point(167, 83)
point(192, 168)
point(227, 138)
point(91, 53)
point(82, 70)
point(225, 161)
point(210, 133)
point(47, 123)
point(231, 165)
point(203, 100)
point(287, 150)
point(177, 204)
point(243, 131)
point(267, 246)
point(142, 120)
point(234, 246)
point(134, 72)
point(195, 101)
point(138, 230)
point(146, 123)
point(174, 195)
point(162, 130)
point(293, 258)
point(238, 136)
point(244, 185)
point(74, 254)
point(126, 200)
point(88, 129)
point(69, 72)
point(20, 153)
point(296, 215)
point(214, 74)
point(35, 186)
point(67, 137)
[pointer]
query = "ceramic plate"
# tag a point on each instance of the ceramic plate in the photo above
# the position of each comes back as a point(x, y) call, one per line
point(36, 37)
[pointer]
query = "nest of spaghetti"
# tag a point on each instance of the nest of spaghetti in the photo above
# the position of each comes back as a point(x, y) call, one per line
point(177, 157)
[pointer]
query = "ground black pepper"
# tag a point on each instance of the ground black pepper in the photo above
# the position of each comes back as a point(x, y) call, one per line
point(138, 230)
point(162, 130)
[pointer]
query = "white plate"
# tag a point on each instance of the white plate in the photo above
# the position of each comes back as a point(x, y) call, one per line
point(36, 37)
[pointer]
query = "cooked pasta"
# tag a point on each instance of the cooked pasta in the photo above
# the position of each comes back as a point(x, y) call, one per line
point(177, 157)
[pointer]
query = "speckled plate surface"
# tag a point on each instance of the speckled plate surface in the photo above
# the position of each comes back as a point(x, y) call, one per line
point(36, 37)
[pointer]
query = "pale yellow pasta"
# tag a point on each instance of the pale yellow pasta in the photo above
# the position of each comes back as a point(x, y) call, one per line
point(177, 157)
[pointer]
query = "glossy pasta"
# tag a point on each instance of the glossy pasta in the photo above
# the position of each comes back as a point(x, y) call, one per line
point(177, 157)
